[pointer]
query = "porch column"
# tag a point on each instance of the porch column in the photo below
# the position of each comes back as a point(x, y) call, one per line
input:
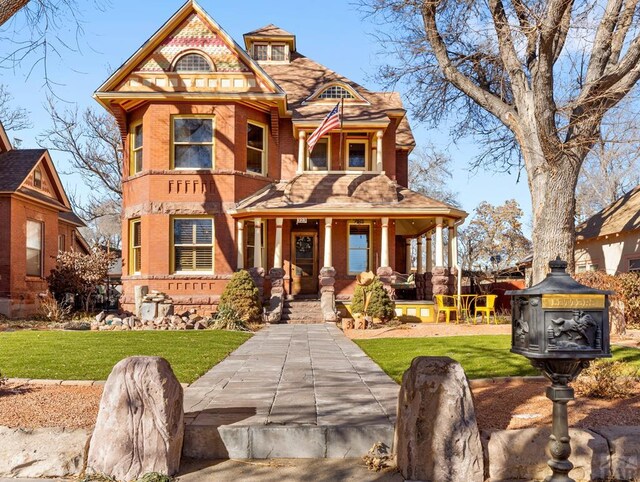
point(257, 243)
point(276, 275)
point(328, 254)
point(439, 244)
point(240, 244)
point(407, 251)
point(453, 241)
point(302, 151)
point(277, 252)
point(441, 276)
point(450, 248)
point(379, 135)
point(429, 252)
point(384, 244)
point(419, 266)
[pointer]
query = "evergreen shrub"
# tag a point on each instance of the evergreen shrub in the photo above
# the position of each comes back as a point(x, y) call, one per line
point(243, 297)
point(380, 305)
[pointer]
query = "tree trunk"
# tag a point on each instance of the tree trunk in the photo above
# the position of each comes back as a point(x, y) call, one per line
point(553, 203)
point(8, 8)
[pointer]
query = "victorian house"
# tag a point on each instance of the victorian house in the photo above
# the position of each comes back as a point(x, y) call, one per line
point(218, 176)
point(37, 223)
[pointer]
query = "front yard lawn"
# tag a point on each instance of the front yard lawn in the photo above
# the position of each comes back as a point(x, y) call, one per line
point(90, 355)
point(481, 356)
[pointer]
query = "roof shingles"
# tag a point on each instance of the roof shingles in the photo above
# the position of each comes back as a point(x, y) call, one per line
point(15, 166)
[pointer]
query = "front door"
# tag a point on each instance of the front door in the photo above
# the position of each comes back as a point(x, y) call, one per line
point(304, 263)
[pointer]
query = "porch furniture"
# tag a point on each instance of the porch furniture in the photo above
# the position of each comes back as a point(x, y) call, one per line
point(448, 304)
point(403, 286)
point(485, 305)
point(466, 304)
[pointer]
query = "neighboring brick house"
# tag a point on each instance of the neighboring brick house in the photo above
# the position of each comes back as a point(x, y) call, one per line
point(217, 174)
point(37, 222)
point(610, 239)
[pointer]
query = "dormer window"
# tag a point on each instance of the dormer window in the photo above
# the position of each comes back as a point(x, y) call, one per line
point(270, 52)
point(192, 63)
point(336, 92)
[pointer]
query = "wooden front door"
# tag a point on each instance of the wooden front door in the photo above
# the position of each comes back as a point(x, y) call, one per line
point(304, 263)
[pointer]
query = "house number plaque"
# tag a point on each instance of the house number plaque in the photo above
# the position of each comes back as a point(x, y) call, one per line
point(573, 301)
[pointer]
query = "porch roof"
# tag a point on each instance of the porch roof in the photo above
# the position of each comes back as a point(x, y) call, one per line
point(343, 195)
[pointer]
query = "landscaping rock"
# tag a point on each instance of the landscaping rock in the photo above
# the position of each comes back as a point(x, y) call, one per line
point(140, 424)
point(148, 311)
point(624, 445)
point(42, 452)
point(522, 455)
point(101, 316)
point(437, 435)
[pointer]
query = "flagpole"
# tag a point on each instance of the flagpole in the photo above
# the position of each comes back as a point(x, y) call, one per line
point(341, 122)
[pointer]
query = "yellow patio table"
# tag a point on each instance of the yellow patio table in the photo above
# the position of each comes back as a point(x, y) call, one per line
point(465, 304)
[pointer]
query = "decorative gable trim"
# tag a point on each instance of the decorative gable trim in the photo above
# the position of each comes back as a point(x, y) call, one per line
point(57, 190)
point(188, 9)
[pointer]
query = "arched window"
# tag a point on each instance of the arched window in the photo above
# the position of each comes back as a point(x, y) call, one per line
point(336, 92)
point(192, 63)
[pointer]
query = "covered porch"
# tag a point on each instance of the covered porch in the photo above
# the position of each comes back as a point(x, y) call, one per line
point(310, 237)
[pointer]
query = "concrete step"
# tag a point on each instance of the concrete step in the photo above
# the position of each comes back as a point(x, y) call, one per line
point(301, 311)
point(210, 438)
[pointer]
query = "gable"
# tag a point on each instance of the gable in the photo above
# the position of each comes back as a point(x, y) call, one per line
point(151, 70)
point(5, 144)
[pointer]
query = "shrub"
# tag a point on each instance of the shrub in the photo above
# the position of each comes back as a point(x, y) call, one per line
point(79, 274)
point(226, 318)
point(607, 379)
point(380, 305)
point(242, 296)
point(52, 309)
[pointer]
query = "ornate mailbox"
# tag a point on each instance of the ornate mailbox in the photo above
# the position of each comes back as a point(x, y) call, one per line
point(560, 319)
point(560, 326)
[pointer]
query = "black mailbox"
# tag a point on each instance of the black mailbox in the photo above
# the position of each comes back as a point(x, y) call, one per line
point(560, 319)
point(560, 325)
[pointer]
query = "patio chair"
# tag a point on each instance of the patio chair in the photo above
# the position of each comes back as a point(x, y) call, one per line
point(485, 305)
point(447, 304)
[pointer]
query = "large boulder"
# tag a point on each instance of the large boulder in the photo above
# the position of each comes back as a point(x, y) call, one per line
point(523, 455)
point(42, 452)
point(140, 424)
point(437, 435)
point(624, 445)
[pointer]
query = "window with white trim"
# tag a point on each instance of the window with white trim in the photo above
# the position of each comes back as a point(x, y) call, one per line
point(359, 243)
point(249, 242)
point(357, 154)
point(261, 51)
point(193, 244)
point(319, 158)
point(37, 178)
point(634, 264)
point(278, 52)
point(270, 52)
point(256, 148)
point(34, 248)
point(192, 142)
point(336, 92)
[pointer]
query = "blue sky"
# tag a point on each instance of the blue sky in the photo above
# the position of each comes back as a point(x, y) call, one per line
point(336, 34)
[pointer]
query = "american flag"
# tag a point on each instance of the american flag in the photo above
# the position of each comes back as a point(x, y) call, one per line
point(329, 123)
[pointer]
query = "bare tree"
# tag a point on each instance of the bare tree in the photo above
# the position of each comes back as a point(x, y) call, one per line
point(534, 76)
point(430, 174)
point(493, 239)
point(612, 168)
point(12, 118)
point(94, 145)
point(39, 32)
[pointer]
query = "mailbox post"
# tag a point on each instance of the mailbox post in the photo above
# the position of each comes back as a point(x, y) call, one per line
point(560, 326)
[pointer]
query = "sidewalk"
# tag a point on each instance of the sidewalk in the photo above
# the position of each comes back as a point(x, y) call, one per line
point(291, 391)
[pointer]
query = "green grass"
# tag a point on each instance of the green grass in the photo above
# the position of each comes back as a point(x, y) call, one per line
point(90, 355)
point(481, 356)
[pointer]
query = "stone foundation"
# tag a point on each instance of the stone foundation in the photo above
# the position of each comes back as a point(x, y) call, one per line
point(441, 282)
point(276, 276)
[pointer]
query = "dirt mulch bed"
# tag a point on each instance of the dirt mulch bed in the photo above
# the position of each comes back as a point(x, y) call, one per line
point(419, 330)
point(523, 404)
point(33, 406)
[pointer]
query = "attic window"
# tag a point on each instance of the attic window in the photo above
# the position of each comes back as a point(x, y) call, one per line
point(336, 92)
point(192, 63)
point(37, 178)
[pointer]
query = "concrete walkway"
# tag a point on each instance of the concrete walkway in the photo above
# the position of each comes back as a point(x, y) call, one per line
point(291, 391)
